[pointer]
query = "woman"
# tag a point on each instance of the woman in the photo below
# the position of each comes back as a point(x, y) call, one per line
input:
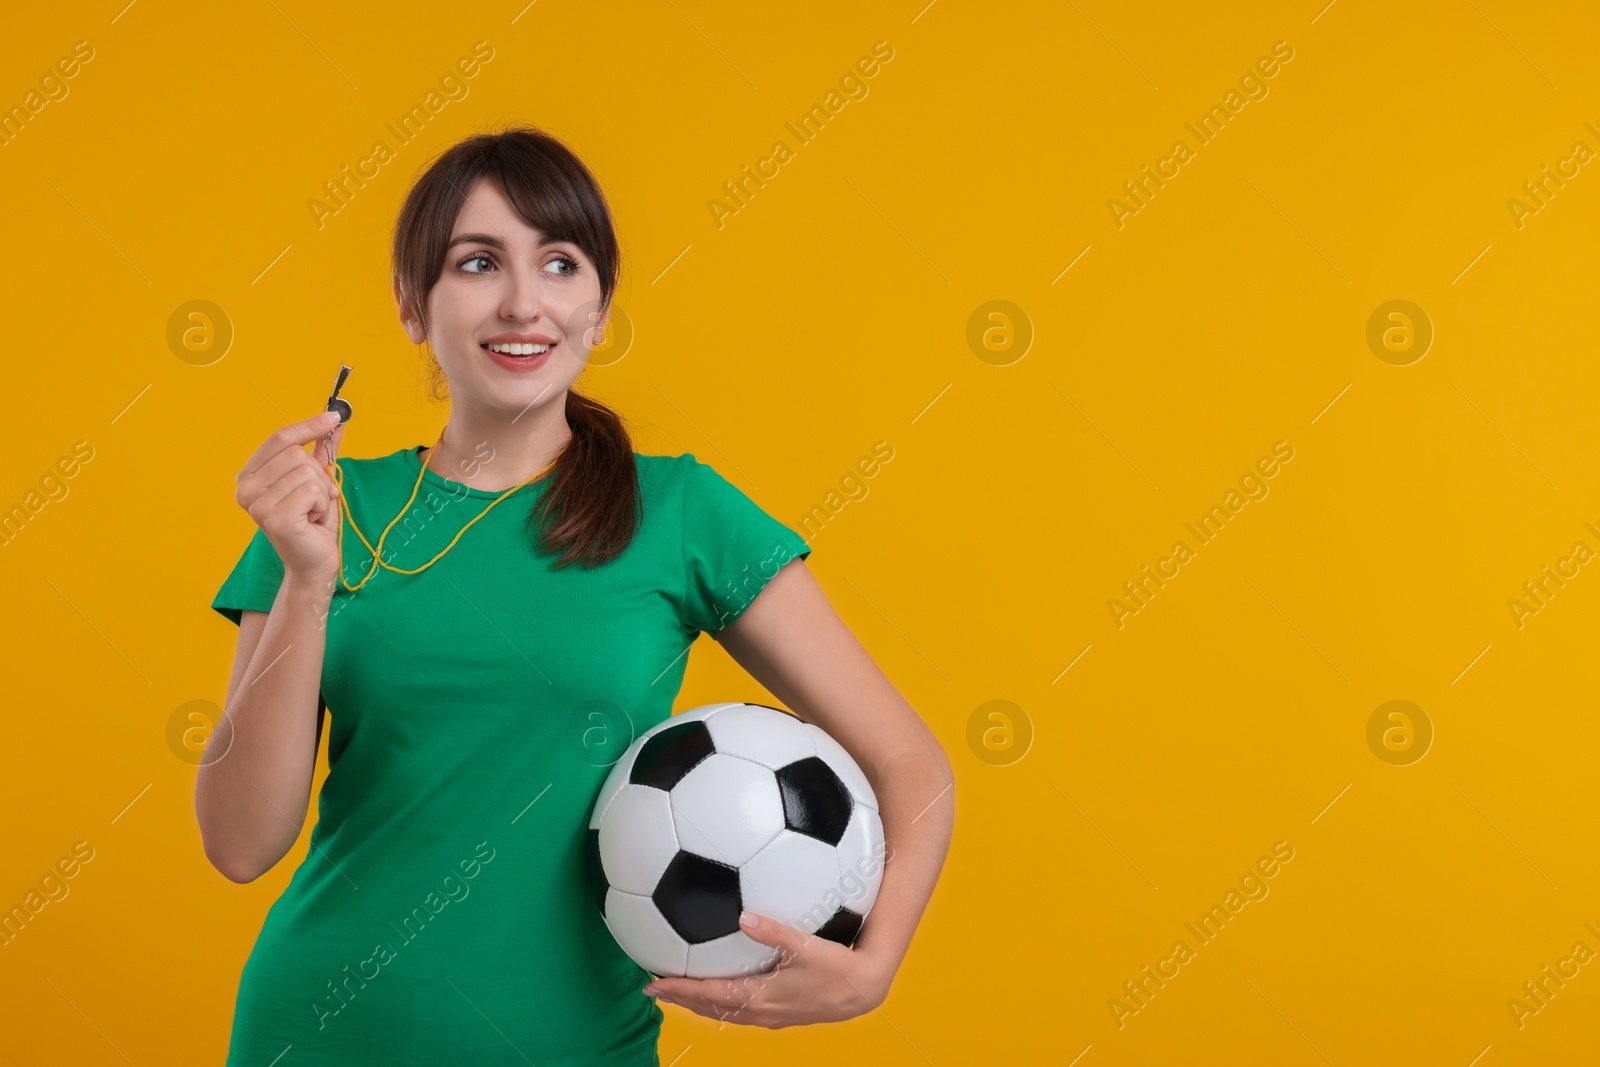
point(484, 664)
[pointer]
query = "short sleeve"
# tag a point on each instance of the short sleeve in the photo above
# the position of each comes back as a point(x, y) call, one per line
point(731, 548)
point(254, 582)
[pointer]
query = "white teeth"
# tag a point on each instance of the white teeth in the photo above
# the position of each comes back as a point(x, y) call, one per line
point(519, 350)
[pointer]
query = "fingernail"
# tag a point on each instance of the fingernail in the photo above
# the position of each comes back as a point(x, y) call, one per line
point(330, 417)
point(750, 919)
point(651, 990)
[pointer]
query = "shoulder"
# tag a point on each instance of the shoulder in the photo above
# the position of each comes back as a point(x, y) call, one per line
point(663, 465)
point(690, 490)
point(669, 476)
point(705, 498)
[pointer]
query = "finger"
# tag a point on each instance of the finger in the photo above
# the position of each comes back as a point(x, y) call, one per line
point(320, 503)
point(333, 517)
point(769, 931)
point(270, 472)
point(284, 472)
point(282, 495)
point(676, 990)
point(295, 434)
point(286, 487)
point(322, 510)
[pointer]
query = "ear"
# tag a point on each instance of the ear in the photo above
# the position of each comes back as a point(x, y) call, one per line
point(408, 316)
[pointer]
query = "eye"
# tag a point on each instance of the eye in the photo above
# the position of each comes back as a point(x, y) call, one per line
point(473, 258)
point(562, 257)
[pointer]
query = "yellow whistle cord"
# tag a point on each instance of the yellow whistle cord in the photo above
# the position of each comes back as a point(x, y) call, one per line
point(377, 553)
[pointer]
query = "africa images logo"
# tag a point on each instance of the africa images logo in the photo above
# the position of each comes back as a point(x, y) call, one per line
point(1253, 86)
point(1252, 484)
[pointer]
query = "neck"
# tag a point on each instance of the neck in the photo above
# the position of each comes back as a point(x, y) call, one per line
point(486, 450)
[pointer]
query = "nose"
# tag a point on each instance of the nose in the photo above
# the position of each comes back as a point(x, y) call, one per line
point(520, 300)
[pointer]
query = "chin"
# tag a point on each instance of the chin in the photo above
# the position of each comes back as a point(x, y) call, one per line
point(532, 395)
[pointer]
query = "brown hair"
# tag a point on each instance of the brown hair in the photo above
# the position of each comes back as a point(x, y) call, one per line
point(593, 507)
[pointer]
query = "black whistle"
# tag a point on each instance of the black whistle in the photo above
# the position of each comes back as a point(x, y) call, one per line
point(334, 403)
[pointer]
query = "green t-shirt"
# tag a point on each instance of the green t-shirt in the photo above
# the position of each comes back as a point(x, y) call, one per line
point(442, 913)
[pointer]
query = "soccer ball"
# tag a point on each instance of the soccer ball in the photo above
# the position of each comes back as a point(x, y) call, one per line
point(724, 808)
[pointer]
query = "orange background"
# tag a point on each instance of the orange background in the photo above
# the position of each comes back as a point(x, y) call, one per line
point(1116, 800)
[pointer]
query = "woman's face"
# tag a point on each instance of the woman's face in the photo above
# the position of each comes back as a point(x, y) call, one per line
point(502, 284)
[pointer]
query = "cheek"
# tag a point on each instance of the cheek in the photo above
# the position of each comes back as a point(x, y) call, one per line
point(573, 361)
point(459, 314)
point(577, 316)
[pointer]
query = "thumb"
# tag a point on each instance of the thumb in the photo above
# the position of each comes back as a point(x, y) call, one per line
point(769, 931)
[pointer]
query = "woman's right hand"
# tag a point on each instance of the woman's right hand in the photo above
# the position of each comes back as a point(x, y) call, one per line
point(290, 495)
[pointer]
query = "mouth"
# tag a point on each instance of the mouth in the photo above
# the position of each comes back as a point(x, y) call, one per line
point(521, 357)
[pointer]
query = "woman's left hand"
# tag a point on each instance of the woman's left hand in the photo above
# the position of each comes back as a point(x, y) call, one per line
point(814, 981)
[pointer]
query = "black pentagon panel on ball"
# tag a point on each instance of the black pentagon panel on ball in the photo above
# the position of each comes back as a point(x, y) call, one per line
point(597, 873)
point(815, 802)
point(668, 756)
point(699, 898)
point(844, 927)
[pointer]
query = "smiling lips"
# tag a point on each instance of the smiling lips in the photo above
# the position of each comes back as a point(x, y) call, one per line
point(518, 344)
point(518, 349)
point(520, 352)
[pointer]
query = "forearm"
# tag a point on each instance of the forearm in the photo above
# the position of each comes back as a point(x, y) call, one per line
point(794, 643)
point(916, 795)
point(254, 783)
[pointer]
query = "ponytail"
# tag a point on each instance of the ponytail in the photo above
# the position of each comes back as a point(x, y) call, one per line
point(593, 506)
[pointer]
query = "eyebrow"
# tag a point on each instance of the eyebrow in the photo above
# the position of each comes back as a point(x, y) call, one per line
point(494, 242)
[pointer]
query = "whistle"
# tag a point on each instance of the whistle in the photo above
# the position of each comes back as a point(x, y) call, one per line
point(334, 403)
point(341, 406)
